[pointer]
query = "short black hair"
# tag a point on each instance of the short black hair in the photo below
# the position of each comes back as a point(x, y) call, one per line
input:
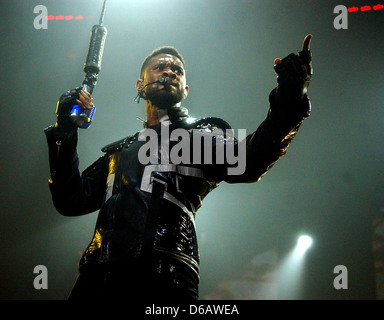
point(162, 50)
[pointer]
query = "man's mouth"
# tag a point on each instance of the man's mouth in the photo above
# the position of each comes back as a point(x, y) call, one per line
point(168, 86)
point(171, 83)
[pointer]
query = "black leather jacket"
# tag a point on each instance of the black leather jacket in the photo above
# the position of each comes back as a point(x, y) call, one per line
point(129, 225)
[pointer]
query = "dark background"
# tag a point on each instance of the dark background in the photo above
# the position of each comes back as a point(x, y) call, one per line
point(330, 184)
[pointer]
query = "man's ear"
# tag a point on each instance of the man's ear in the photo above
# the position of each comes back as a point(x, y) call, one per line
point(186, 90)
point(139, 85)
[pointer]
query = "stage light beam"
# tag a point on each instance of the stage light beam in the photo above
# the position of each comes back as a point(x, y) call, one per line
point(291, 268)
point(303, 244)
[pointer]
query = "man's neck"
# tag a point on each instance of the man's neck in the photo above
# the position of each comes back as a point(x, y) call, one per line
point(156, 115)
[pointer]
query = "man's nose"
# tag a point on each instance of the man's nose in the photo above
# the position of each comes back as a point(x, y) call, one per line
point(169, 74)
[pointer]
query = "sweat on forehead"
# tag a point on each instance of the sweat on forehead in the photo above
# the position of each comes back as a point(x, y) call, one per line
point(164, 59)
point(162, 50)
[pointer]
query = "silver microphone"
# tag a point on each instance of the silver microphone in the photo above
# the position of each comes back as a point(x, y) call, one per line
point(163, 81)
point(141, 93)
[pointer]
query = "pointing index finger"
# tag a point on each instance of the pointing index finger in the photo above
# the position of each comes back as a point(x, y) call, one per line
point(307, 42)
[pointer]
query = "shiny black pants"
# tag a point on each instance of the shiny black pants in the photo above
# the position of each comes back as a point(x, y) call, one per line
point(163, 280)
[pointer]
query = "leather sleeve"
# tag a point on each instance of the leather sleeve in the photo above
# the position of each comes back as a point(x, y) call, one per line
point(73, 194)
point(272, 138)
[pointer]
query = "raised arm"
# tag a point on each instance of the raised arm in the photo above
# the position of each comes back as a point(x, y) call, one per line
point(289, 106)
point(72, 193)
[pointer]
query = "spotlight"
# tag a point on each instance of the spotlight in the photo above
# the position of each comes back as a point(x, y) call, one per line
point(303, 243)
point(291, 268)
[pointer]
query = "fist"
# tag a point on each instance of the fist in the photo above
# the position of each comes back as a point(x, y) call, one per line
point(294, 72)
point(67, 101)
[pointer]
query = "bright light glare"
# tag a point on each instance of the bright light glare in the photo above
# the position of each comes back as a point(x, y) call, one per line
point(303, 243)
point(291, 269)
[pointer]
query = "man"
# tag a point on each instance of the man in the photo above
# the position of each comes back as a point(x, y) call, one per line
point(145, 245)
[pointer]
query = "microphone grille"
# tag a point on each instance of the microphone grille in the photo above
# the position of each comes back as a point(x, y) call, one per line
point(163, 80)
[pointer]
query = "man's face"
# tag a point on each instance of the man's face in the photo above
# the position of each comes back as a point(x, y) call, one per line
point(175, 90)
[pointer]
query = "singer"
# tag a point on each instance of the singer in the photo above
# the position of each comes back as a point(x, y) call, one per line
point(144, 245)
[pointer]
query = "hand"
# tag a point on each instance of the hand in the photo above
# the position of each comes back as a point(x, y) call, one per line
point(306, 47)
point(85, 100)
point(65, 104)
point(294, 72)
